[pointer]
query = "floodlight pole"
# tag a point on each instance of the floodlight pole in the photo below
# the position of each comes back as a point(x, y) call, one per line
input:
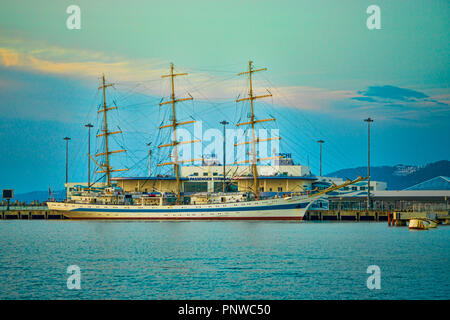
point(320, 167)
point(368, 120)
point(224, 123)
point(67, 156)
point(89, 126)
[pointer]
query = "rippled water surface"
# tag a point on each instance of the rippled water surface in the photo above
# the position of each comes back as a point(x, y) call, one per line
point(221, 260)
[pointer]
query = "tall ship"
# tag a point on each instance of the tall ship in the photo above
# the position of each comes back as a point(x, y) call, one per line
point(109, 201)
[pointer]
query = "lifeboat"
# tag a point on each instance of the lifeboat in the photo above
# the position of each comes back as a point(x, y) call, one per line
point(418, 224)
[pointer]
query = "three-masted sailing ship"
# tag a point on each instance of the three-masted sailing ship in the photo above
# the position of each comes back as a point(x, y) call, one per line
point(113, 203)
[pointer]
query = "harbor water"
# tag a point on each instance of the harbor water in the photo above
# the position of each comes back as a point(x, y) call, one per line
point(221, 260)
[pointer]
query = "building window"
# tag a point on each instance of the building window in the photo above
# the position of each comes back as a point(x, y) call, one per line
point(261, 189)
point(195, 174)
point(371, 188)
point(218, 187)
point(270, 189)
point(280, 189)
point(195, 186)
point(214, 173)
point(205, 174)
point(354, 188)
point(362, 188)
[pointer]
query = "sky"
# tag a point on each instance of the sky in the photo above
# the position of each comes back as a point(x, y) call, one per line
point(326, 72)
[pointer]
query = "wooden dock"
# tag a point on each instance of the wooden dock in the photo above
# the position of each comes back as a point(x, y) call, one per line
point(399, 218)
point(396, 218)
point(29, 213)
point(346, 215)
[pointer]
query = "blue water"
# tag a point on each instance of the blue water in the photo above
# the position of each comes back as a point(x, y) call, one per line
point(221, 260)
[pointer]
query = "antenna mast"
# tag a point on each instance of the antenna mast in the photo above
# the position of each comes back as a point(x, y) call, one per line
point(252, 122)
point(174, 125)
point(106, 168)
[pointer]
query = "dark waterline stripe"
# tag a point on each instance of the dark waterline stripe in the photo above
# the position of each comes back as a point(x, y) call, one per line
point(298, 218)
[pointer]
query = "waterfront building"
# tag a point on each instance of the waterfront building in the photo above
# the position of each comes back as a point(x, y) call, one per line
point(360, 187)
point(393, 200)
point(209, 178)
point(432, 194)
point(436, 183)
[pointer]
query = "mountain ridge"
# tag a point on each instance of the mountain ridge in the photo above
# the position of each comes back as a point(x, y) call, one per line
point(40, 196)
point(400, 176)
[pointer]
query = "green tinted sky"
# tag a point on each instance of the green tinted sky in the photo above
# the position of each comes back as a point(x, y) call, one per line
point(315, 43)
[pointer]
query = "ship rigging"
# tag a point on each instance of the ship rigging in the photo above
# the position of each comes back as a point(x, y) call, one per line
point(112, 202)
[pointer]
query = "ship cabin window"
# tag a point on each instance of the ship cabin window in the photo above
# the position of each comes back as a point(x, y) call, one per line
point(214, 173)
point(280, 189)
point(205, 174)
point(195, 174)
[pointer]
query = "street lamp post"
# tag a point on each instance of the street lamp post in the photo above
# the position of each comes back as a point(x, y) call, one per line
point(368, 120)
point(224, 123)
point(89, 126)
point(67, 156)
point(320, 168)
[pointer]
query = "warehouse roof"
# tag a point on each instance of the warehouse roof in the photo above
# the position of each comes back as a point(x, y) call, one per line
point(436, 183)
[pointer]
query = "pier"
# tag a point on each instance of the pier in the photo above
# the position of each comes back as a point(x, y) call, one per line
point(346, 215)
point(397, 218)
point(40, 212)
point(400, 219)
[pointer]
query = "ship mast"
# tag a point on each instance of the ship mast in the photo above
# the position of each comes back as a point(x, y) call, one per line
point(176, 162)
point(254, 156)
point(106, 167)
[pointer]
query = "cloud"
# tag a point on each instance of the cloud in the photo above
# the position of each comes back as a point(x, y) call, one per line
point(389, 102)
point(392, 92)
point(392, 96)
point(66, 62)
point(9, 57)
point(33, 56)
point(308, 98)
point(367, 99)
point(144, 76)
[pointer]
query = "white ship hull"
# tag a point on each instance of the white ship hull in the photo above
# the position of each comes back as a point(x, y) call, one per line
point(271, 209)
